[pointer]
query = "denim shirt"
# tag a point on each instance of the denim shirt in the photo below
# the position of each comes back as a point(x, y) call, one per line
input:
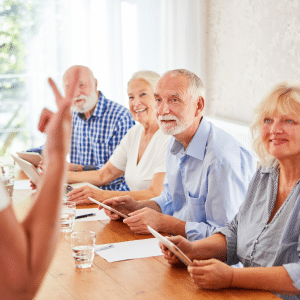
point(255, 242)
point(206, 183)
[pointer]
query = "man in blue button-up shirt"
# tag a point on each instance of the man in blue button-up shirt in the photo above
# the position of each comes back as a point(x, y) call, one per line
point(208, 171)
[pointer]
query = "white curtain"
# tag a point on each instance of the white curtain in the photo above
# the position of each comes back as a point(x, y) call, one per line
point(114, 38)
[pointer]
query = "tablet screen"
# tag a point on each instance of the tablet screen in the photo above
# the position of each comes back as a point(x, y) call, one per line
point(109, 208)
point(172, 247)
point(27, 168)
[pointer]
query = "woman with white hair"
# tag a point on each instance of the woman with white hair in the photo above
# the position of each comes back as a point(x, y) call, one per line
point(141, 155)
point(265, 234)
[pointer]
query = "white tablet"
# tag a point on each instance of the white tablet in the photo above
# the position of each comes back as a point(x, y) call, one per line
point(27, 168)
point(109, 208)
point(173, 248)
point(31, 157)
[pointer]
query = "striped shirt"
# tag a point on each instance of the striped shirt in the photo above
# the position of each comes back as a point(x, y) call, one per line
point(257, 243)
point(94, 139)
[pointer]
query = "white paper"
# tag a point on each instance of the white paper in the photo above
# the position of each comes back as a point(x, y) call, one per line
point(80, 184)
point(22, 185)
point(130, 250)
point(100, 214)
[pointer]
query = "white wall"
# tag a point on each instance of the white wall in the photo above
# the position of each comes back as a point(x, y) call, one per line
point(251, 46)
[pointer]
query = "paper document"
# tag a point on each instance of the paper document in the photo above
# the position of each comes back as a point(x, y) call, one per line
point(80, 184)
point(100, 214)
point(129, 250)
point(22, 185)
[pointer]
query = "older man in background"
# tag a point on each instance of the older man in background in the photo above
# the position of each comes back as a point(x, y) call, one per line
point(208, 171)
point(98, 125)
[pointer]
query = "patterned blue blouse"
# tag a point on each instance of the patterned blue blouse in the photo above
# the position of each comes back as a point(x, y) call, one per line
point(255, 242)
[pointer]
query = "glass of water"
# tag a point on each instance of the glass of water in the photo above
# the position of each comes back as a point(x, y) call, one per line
point(83, 247)
point(67, 219)
point(8, 178)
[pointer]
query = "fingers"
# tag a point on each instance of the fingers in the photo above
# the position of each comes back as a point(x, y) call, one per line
point(110, 214)
point(44, 119)
point(78, 201)
point(114, 201)
point(176, 239)
point(70, 92)
point(139, 211)
point(32, 185)
point(134, 219)
point(56, 92)
point(75, 192)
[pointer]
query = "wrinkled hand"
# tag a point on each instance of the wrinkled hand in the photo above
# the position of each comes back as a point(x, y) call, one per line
point(211, 274)
point(81, 194)
point(139, 219)
point(123, 204)
point(182, 243)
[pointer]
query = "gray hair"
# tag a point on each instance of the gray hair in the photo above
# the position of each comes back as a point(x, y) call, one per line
point(196, 87)
point(284, 98)
point(149, 76)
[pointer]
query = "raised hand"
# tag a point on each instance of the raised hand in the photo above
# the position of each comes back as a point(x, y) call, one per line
point(58, 125)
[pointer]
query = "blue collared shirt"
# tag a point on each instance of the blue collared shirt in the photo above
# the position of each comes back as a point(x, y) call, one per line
point(257, 243)
point(206, 183)
point(94, 139)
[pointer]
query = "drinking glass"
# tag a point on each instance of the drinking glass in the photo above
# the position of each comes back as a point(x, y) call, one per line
point(8, 178)
point(83, 247)
point(68, 213)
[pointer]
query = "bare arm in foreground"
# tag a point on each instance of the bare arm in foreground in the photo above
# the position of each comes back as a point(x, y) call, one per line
point(27, 248)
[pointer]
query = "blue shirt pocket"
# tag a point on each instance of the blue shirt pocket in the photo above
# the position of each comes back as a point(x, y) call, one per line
point(196, 209)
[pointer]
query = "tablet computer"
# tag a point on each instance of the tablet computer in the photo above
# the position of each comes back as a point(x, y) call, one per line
point(31, 157)
point(28, 168)
point(109, 208)
point(172, 247)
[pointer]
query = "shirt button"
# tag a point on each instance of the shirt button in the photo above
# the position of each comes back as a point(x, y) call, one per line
point(267, 226)
point(256, 241)
point(251, 257)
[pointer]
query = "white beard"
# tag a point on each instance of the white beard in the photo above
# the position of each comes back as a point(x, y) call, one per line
point(90, 102)
point(178, 128)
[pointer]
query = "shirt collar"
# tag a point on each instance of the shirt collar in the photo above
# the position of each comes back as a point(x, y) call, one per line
point(197, 145)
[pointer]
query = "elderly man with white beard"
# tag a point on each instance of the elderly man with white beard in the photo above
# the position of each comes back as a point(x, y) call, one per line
point(208, 171)
point(98, 125)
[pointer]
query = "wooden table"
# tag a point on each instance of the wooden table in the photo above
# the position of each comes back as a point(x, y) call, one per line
point(146, 278)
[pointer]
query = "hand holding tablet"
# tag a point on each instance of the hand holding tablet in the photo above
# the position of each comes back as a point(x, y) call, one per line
point(32, 157)
point(109, 208)
point(27, 168)
point(173, 248)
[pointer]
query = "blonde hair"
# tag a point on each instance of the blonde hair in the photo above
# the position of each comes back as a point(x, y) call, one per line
point(284, 98)
point(149, 76)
